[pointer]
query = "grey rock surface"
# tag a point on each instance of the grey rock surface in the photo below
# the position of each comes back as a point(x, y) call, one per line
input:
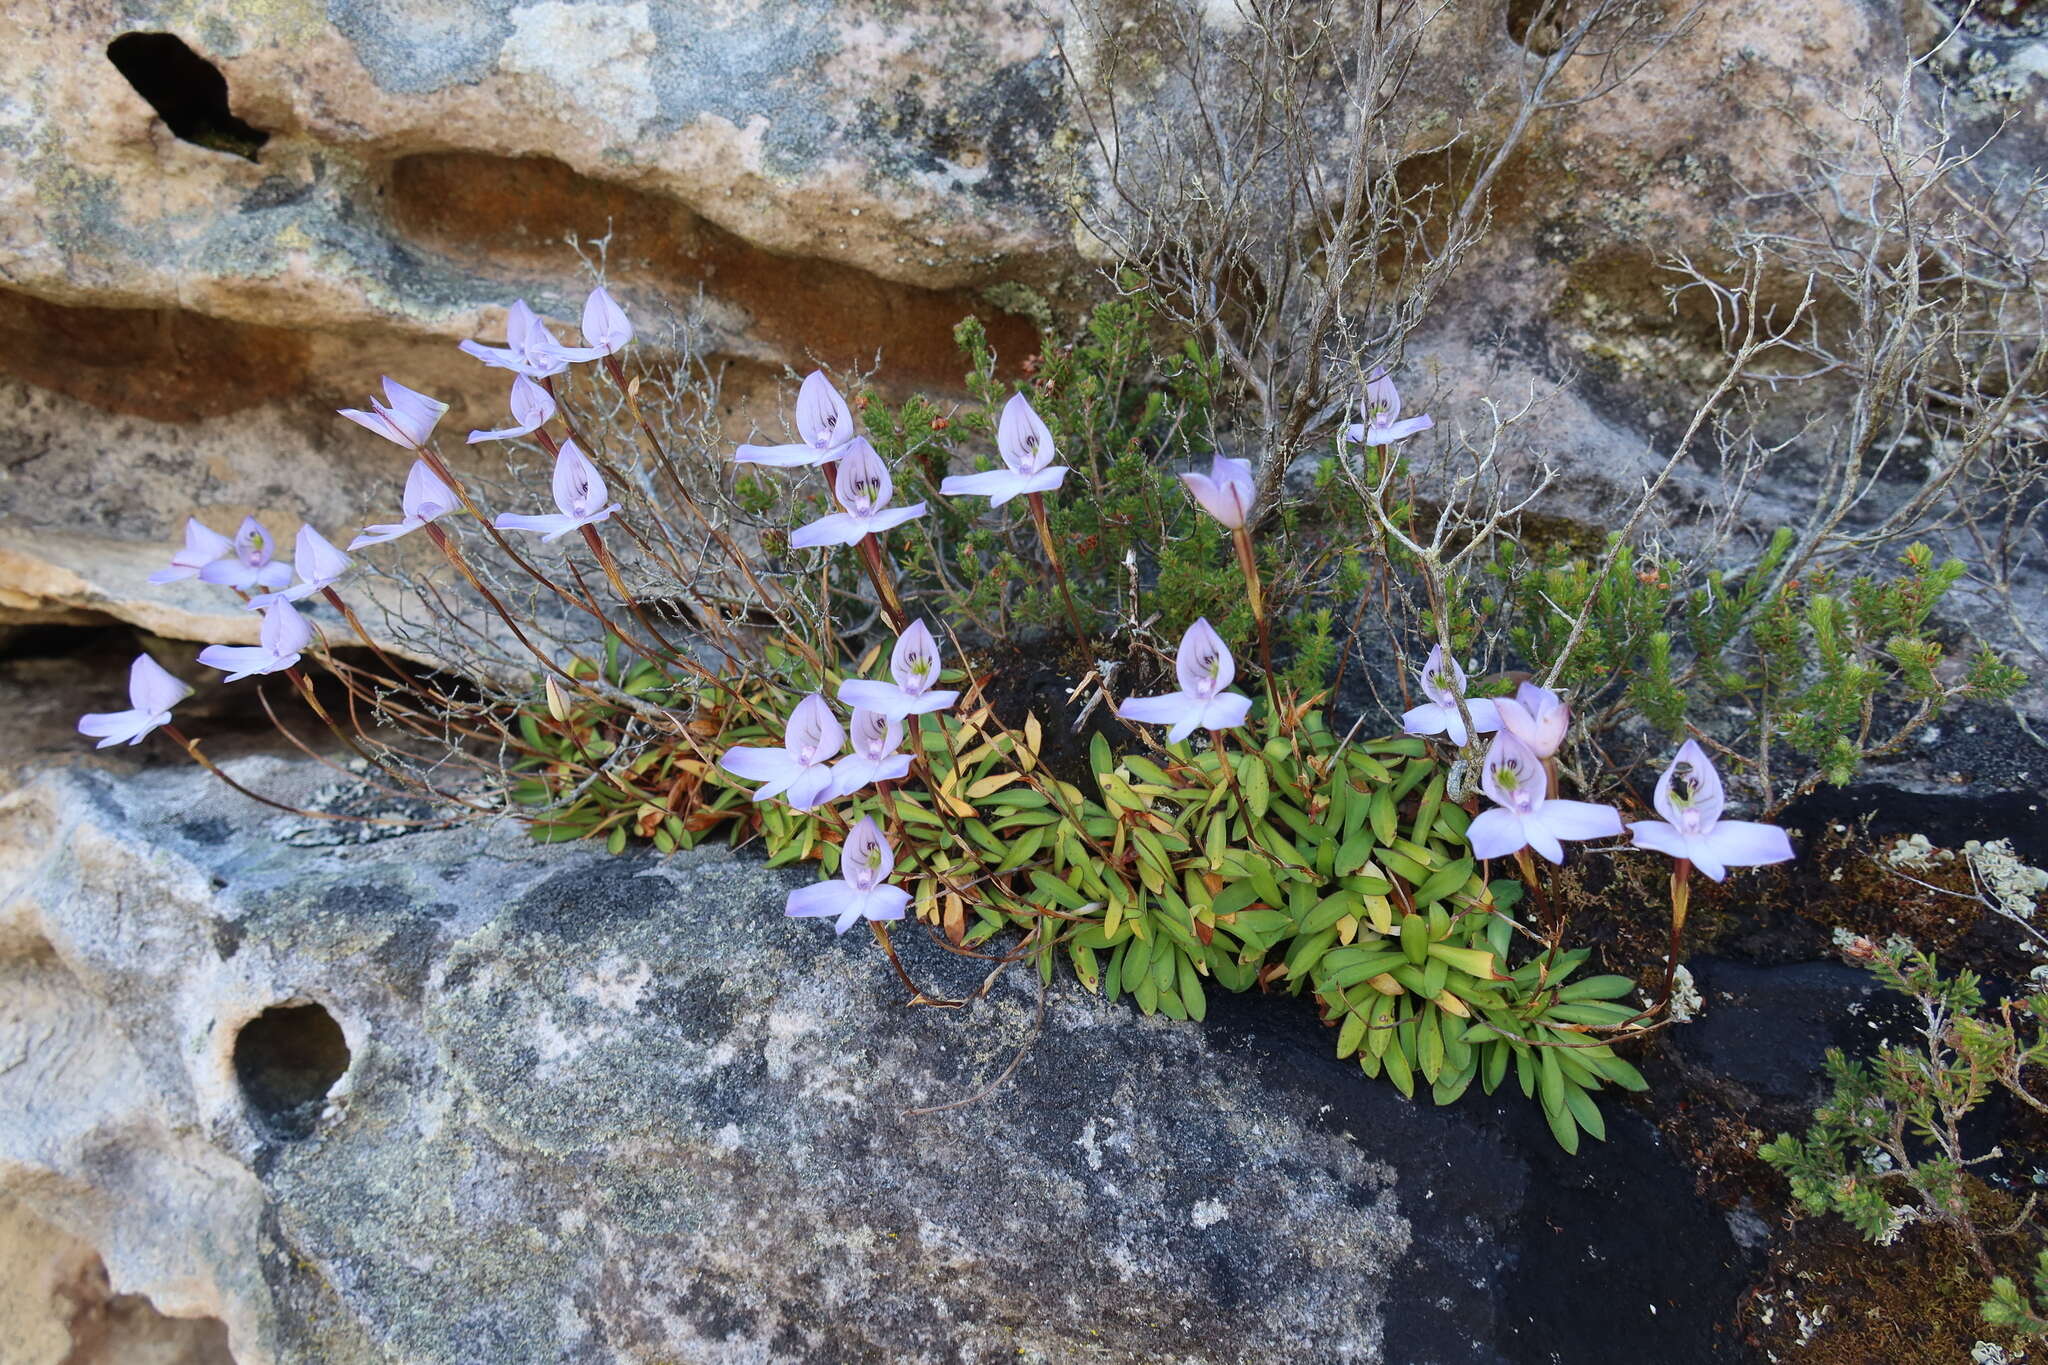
point(605, 1109)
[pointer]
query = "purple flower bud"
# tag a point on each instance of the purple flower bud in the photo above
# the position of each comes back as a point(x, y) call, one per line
point(1226, 491)
point(1204, 668)
point(407, 420)
point(152, 693)
point(862, 892)
point(1692, 828)
point(1537, 716)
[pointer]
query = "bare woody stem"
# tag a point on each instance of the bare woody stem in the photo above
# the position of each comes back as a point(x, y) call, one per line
point(1059, 571)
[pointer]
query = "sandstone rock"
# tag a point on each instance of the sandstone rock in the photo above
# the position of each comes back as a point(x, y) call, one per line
point(447, 1097)
point(189, 295)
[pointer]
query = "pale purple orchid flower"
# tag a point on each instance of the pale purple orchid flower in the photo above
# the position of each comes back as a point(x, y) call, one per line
point(1381, 409)
point(1226, 491)
point(1205, 668)
point(863, 892)
point(251, 563)
point(822, 419)
point(533, 407)
point(318, 564)
point(580, 493)
point(1522, 817)
point(1443, 682)
point(801, 770)
point(285, 634)
point(203, 545)
point(864, 488)
point(407, 420)
point(152, 692)
point(530, 348)
point(427, 499)
point(914, 664)
point(874, 741)
point(606, 328)
point(1025, 443)
point(1692, 827)
point(1535, 715)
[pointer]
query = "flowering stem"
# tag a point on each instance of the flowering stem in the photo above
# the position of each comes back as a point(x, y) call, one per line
point(1527, 865)
point(611, 571)
point(1052, 554)
point(1242, 539)
point(885, 585)
point(334, 600)
point(1219, 741)
point(1681, 901)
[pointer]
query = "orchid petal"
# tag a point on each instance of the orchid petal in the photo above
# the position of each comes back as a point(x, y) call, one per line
point(836, 528)
point(1664, 838)
point(891, 517)
point(1495, 833)
point(757, 763)
point(1023, 439)
point(151, 688)
point(1578, 819)
point(606, 328)
point(1203, 663)
point(1226, 711)
point(811, 788)
point(997, 485)
point(549, 525)
point(1542, 839)
point(786, 456)
point(819, 899)
point(1746, 843)
point(427, 495)
point(822, 417)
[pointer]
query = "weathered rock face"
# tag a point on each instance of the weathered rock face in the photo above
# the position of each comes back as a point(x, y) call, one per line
point(446, 1097)
point(318, 194)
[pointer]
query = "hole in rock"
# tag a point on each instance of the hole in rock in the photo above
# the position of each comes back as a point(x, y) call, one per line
point(186, 90)
point(287, 1059)
point(1539, 25)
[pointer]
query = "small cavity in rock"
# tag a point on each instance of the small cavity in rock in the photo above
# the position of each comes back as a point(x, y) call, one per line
point(186, 90)
point(287, 1059)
